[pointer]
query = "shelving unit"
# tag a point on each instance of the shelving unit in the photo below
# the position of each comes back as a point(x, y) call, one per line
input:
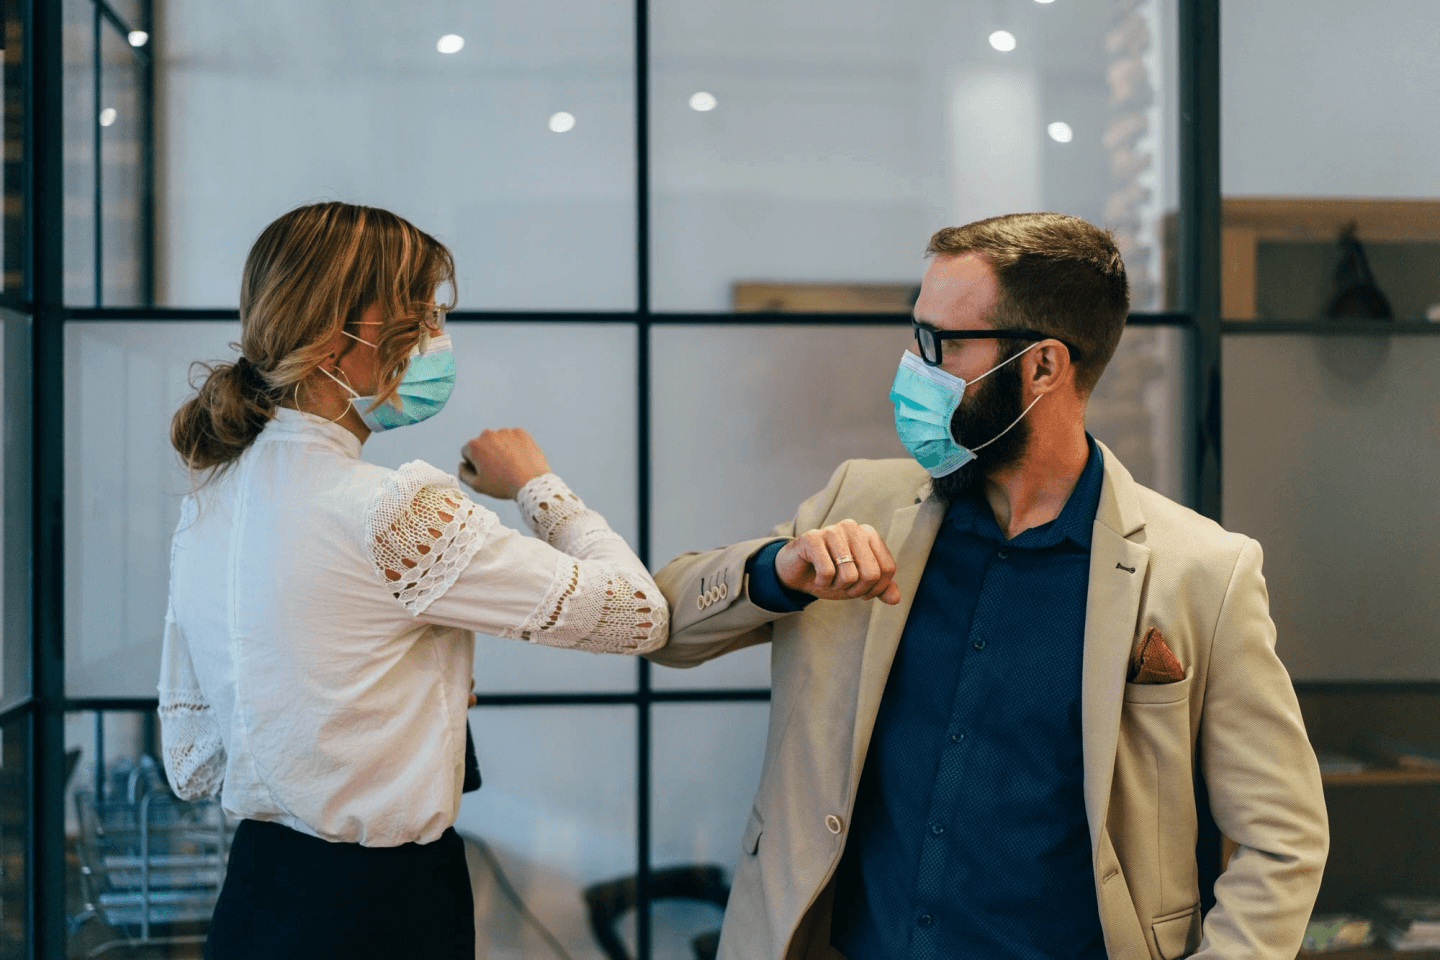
point(1384, 822)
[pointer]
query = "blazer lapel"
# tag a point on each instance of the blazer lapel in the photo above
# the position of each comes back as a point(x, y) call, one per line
point(1118, 567)
point(911, 535)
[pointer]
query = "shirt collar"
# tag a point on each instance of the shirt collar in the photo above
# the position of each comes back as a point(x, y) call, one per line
point(296, 424)
point(1076, 522)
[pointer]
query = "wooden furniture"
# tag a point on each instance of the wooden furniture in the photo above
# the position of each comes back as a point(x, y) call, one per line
point(1384, 823)
point(758, 297)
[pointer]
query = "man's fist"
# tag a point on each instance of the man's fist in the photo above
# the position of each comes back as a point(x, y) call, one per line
point(846, 561)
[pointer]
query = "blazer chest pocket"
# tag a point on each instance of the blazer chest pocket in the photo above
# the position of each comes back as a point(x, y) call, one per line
point(750, 841)
point(1158, 692)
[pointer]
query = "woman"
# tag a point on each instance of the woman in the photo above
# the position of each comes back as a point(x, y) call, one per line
point(319, 639)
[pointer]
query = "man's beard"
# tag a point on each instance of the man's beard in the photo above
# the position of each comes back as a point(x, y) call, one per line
point(995, 405)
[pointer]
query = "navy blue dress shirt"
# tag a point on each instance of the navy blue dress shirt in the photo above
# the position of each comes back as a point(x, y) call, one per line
point(969, 836)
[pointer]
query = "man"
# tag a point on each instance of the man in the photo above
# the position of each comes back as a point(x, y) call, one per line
point(999, 760)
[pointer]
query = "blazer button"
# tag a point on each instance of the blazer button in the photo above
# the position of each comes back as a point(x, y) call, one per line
point(724, 590)
point(832, 823)
point(700, 603)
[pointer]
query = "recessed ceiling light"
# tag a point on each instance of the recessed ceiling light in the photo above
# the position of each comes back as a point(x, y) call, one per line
point(703, 101)
point(450, 43)
point(1060, 132)
point(138, 38)
point(107, 116)
point(1002, 40)
point(562, 122)
point(1044, 1)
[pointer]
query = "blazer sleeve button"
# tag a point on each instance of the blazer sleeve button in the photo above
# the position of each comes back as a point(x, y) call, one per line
point(832, 823)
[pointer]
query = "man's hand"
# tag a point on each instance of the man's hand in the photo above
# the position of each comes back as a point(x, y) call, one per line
point(499, 462)
point(846, 561)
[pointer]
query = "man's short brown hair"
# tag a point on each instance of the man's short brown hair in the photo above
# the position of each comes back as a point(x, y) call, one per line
point(1058, 275)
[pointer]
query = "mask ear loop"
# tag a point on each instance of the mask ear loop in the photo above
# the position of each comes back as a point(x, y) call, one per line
point(1005, 361)
point(1009, 428)
point(332, 376)
point(1022, 414)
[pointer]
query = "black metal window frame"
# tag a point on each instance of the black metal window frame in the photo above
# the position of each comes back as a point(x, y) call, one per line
point(43, 301)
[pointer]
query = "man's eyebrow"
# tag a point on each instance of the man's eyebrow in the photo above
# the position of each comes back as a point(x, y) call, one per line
point(924, 323)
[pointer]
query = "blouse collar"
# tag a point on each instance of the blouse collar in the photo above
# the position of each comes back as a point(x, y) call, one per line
point(290, 423)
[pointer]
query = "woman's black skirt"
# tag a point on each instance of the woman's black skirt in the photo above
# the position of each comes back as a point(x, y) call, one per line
point(287, 894)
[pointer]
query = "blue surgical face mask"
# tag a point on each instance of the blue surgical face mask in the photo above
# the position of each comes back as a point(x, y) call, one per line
point(925, 400)
point(428, 380)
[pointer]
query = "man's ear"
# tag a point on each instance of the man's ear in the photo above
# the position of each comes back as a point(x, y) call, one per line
point(1048, 367)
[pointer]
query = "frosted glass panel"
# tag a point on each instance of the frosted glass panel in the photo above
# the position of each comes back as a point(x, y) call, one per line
point(125, 483)
point(123, 487)
point(122, 204)
point(1140, 409)
point(15, 507)
point(557, 810)
point(459, 143)
point(707, 760)
point(747, 423)
point(1331, 454)
point(1329, 107)
point(825, 140)
point(79, 117)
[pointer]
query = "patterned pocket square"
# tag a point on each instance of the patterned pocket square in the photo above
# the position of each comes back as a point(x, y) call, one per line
point(1154, 662)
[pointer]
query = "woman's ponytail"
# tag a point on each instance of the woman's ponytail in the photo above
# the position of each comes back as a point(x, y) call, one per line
point(230, 408)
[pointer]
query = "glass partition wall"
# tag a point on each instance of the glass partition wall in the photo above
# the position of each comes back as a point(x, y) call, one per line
point(687, 239)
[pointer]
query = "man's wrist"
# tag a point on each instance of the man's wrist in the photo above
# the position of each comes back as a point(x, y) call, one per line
point(766, 590)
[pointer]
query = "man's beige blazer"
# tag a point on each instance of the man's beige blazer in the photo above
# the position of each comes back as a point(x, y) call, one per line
point(1233, 720)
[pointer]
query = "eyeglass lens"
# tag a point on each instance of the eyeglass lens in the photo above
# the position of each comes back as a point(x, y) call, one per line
point(929, 345)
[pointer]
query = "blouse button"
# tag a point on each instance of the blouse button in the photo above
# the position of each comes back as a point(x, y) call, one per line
point(832, 823)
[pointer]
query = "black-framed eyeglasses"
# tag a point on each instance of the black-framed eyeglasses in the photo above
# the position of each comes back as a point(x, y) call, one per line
point(930, 340)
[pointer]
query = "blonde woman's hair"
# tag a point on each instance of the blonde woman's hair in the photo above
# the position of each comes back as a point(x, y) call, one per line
point(311, 273)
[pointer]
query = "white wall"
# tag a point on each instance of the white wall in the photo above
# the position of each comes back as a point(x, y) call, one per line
point(1330, 98)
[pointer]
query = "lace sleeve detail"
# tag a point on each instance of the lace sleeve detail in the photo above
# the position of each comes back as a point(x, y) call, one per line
point(560, 518)
point(422, 531)
point(601, 598)
point(592, 606)
point(190, 739)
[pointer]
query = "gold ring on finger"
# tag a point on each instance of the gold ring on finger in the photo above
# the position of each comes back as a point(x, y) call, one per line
point(845, 559)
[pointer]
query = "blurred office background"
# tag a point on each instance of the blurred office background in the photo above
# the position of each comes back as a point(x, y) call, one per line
point(687, 234)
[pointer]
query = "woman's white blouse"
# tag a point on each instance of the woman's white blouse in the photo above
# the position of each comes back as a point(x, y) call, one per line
point(319, 638)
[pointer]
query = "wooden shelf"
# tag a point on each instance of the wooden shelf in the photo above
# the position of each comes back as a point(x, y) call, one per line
point(1382, 778)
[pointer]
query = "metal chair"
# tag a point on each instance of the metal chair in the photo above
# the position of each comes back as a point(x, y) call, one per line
point(150, 864)
point(608, 902)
